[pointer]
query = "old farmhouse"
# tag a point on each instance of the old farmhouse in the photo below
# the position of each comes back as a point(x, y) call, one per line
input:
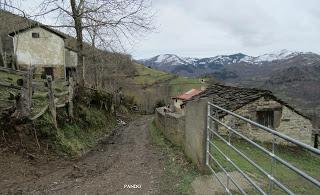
point(25, 43)
point(255, 104)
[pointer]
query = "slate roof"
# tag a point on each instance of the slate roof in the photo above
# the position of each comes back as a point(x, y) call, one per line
point(233, 98)
point(38, 25)
point(188, 95)
point(11, 23)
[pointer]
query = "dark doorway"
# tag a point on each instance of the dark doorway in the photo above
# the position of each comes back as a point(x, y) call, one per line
point(70, 72)
point(48, 71)
point(266, 118)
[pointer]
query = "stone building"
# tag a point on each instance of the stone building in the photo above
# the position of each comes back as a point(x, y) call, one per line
point(255, 104)
point(40, 47)
point(178, 101)
point(260, 106)
point(25, 43)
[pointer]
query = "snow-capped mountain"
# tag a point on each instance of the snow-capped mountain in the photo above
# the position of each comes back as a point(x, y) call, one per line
point(280, 55)
point(189, 66)
point(166, 59)
point(174, 60)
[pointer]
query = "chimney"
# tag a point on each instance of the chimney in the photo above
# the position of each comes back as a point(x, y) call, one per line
point(203, 84)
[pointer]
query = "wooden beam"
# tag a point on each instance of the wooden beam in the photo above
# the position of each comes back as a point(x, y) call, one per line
point(43, 110)
point(8, 85)
point(8, 70)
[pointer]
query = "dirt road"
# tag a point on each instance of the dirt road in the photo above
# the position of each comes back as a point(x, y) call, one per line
point(127, 163)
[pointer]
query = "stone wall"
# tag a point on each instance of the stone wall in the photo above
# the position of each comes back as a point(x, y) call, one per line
point(172, 125)
point(58, 71)
point(189, 130)
point(286, 121)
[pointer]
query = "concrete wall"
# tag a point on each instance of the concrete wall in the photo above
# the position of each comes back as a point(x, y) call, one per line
point(171, 125)
point(286, 121)
point(71, 58)
point(195, 132)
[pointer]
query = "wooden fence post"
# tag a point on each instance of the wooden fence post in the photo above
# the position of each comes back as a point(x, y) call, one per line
point(29, 88)
point(70, 98)
point(52, 105)
point(24, 99)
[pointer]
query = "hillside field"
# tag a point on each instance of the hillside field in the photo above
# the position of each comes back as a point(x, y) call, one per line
point(149, 85)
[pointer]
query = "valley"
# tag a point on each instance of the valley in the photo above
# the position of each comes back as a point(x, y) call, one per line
point(293, 76)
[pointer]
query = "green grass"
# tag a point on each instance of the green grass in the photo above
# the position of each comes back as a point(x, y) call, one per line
point(5, 92)
point(149, 76)
point(183, 84)
point(301, 159)
point(177, 84)
point(157, 85)
point(178, 172)
point(75, 138)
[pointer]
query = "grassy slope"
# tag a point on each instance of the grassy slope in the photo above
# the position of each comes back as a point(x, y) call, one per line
point(148, 75)
point(294, 182)
point(158, 84)
point(74, 138)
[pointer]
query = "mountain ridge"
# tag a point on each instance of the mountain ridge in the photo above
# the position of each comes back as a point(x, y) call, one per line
point(173, 59)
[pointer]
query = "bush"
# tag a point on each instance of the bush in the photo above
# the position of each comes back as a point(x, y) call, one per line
point(129, 102)
point(160, 103)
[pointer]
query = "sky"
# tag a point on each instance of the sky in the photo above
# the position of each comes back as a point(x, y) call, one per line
point(204, 28)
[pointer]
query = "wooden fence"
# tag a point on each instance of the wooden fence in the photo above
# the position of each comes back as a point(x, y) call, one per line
point(27, 87)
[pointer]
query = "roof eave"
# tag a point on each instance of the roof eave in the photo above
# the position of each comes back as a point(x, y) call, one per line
point(12, 34)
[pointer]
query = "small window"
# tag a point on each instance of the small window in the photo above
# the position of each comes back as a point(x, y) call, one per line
point(266, 118)
point(35, 35)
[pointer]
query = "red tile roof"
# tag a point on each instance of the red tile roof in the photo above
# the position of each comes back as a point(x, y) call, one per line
point(188, 95)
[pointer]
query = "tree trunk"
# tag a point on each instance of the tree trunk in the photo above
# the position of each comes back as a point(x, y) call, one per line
point(78, 27)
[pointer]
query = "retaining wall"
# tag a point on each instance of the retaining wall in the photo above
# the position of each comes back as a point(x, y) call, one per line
point(172, 125)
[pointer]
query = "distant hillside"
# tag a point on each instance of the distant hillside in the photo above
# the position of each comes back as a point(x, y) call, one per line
point(299, 86)
point(294, 76)
point(149, 86)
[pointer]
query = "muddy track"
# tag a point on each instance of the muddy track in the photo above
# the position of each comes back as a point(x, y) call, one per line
point(126, 163)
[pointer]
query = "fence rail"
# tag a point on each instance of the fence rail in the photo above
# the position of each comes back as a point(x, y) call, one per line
point(26, 87)
point(212, 149)
point(9, 70)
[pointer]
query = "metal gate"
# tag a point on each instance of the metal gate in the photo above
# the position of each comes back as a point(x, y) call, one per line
point(223, 153)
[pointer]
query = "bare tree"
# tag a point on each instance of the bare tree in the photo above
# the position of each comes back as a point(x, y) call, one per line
point(123, 18)
point(12, 6)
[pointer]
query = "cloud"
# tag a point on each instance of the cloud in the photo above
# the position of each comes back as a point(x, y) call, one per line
point(210, 27)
